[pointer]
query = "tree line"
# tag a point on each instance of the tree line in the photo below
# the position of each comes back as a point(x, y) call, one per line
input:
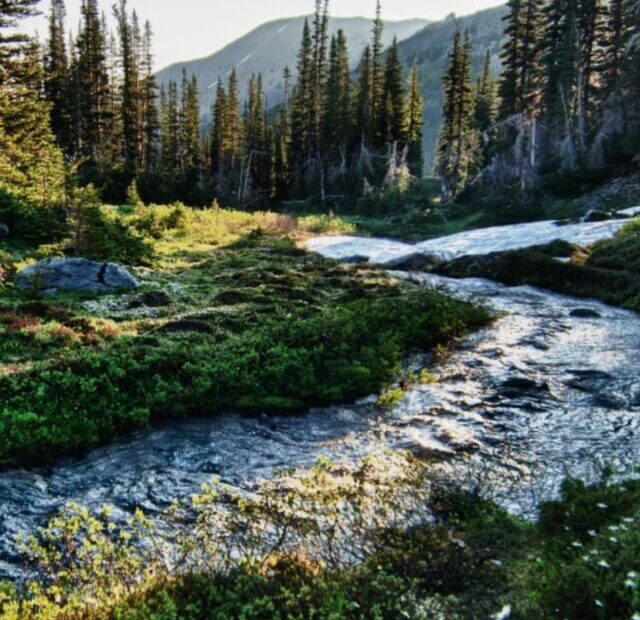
point(338, 133)
point(567, 100)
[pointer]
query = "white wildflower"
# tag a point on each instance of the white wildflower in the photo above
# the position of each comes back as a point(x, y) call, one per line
point(635, 617)
point(603, 506)
point(613, 539)
point(629, 520)
point(604, 564)
point(599, 603)
point(593, 533)
point(630, 583)
point(632, 574)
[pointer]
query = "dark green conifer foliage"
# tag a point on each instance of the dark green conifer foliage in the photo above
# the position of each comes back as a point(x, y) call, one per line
point(302, 120)
point(364, 102)
point(189, 135)
point(149, 107)
point(130, 96)
point(337, 120)
point(378, 96)
point(456, 139)
point(256, 183)
point(170, 125)
point(92, 81)
point(57, 78)
point(394, 118)
point(519, 83)
point(414, 123)
point(280, 139)
point(217, 145)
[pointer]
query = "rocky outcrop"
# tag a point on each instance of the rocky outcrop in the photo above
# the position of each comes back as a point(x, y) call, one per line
point(75, 275)
point(4, 231)
point(414, 262)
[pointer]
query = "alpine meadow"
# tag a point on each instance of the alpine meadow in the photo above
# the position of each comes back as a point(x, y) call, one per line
point(339, 321)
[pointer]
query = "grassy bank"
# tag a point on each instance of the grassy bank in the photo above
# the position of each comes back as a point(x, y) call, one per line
point(232, 316)
point(334, 543)
point(609, 271)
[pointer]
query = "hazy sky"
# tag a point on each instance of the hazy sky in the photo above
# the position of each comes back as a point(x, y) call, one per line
point(187, 29)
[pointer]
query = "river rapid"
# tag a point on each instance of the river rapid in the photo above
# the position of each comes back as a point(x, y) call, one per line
point(551, 389)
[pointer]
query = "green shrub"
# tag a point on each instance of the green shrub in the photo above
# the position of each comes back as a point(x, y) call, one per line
point(34, 223)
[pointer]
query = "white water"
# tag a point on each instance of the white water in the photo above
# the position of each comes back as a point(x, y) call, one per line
point(474, 242)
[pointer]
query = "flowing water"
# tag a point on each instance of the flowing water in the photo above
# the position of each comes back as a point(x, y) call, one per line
point(552, 388)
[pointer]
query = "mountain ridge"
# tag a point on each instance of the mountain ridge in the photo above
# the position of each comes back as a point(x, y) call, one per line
point(260, 51)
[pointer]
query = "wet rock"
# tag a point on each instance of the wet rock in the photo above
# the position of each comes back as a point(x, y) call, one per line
point(4, 231)
point(595, 215)
point(356, 260)
point(414, 262)
point(75, 275)
point(585, 313)
point(523, 384)
point(634, 396)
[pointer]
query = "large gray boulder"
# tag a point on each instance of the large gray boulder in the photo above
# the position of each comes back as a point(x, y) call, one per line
point(75, 275)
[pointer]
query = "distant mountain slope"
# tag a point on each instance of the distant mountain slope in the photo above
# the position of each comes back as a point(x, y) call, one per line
point(270, 48)
point(430, 48)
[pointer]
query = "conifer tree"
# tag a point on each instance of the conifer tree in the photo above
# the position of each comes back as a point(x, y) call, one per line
point(57, 78)
point(30, 164)
point(217, 145)
point(233, 125)
point(149, 107)
point(455, 144)
point(280, 144)
point(394, 117)
point(302, 121)
point(337, 119)
point(414, 123)
point(170, 126)
point(378, 98)
point(257, 157)
point(92, 81)
point(521, 58)
point(130, 100)
point(189, 133)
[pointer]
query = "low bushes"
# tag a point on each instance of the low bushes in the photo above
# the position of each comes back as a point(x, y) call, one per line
point(384, 539)
point(336, 355)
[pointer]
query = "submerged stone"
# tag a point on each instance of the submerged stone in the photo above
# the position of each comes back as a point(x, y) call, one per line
point(585, 313)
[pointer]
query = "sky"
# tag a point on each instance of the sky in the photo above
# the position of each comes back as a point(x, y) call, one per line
point(188, 29)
